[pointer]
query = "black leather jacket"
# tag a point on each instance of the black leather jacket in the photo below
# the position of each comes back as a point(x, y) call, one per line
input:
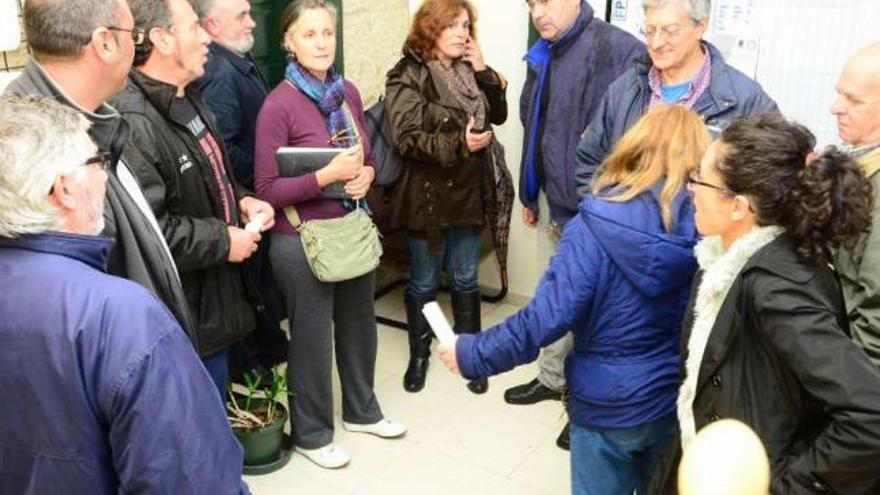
point(779, 359)
point(187, 203)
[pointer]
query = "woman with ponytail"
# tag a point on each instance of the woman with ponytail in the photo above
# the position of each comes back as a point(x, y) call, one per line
point(765, 334)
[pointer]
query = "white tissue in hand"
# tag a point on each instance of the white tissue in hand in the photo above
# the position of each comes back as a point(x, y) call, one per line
point(438, 322)
point(255, 225)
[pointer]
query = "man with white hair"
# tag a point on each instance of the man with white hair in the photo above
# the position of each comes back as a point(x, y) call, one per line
point(234, 90)
point(82, 52)
point(857, 109)
point(106, 394)
point(681, 69)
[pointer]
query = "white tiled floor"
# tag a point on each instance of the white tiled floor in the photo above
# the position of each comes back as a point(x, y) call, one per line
point(458, 443)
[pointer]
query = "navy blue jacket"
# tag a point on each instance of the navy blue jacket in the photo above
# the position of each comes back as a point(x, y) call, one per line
point(104, 393)
point(620, 282)
point(583, 63)
point(234, 90)
point(731, 94)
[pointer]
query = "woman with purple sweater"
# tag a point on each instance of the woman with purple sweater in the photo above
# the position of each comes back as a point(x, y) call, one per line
point(315, 107)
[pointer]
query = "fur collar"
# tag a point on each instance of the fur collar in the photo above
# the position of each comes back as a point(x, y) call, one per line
point(720, 268)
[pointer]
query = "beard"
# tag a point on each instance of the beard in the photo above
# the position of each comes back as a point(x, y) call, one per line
point(244, 45)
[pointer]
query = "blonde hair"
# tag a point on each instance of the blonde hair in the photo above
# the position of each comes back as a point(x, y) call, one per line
point(666, 143)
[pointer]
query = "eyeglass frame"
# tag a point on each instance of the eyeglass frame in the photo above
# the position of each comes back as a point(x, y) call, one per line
point(103, 158)
point(138, 35)
point(667, 35)
point(692, 179)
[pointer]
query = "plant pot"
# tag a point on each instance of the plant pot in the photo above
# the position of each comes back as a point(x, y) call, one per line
point(264, 450)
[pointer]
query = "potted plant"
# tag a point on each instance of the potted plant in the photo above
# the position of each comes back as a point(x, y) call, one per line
point(257, 418)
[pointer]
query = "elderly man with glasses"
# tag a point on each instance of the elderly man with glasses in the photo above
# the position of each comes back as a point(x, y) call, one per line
point(857, 109)
point(82, 52)
point(681, 68)
point(104, 392)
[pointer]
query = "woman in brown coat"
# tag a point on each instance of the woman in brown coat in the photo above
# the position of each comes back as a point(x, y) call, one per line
point(441, 99)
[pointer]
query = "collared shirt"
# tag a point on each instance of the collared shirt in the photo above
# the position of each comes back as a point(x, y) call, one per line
point(699, 83)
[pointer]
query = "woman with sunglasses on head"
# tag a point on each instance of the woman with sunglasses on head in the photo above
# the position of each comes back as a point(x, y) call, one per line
point(441, 100)
point(765, 339)
point(315, 107)
point(619, 282)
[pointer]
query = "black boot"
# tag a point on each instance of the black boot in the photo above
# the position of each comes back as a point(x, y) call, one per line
point(466, 311)
point(419, 343)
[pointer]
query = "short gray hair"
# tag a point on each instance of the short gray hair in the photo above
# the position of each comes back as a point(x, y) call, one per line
point(295, 10)
point(149, 14)
point(61, 28)
point(203, 8)
point(40, 140)
point(697, 9)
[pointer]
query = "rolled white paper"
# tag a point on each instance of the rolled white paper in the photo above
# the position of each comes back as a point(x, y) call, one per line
point(255, 225)
point(438, 322)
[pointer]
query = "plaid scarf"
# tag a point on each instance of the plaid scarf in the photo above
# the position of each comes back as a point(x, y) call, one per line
point(699, 83)
point(328, 95)
point(461, 82)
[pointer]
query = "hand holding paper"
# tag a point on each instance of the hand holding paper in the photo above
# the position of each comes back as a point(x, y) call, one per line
point(440, 325)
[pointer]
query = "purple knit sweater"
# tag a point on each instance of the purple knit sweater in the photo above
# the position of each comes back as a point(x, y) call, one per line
point(290, 118)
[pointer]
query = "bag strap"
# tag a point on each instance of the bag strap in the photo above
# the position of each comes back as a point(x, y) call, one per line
point(293, 217)
point(297, 223)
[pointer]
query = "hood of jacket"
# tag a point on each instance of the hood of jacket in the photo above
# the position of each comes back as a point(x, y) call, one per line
point(633, 236)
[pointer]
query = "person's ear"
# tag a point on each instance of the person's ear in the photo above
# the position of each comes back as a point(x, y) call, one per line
point(159, 39)
point(60, 195)
point(702, 26)
point(741, 208)
point(211, 26)
point(104, 43)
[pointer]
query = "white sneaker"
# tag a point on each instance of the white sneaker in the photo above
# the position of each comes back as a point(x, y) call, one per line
point(383, 428)
point(328, 457)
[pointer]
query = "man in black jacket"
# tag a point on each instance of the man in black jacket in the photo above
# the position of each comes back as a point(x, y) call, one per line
point(188, 181)
point(234, 89)
point(82, 54)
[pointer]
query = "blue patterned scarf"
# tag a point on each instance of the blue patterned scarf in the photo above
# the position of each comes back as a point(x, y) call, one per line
point(328, 95)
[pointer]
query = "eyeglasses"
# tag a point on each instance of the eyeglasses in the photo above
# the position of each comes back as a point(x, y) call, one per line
point(694, 180)
point(345, 135)
point(668, 33)
point(137, 34)
point(103, 159)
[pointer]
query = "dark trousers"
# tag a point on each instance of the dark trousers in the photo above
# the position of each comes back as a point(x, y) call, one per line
point(321, 315)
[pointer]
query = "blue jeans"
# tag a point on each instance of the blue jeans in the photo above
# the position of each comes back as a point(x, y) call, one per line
point(619, 460)
point(217, 365)
point(459, 255)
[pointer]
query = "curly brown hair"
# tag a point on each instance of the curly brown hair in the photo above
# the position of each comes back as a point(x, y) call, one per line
point(430, 20)
point(823, 201)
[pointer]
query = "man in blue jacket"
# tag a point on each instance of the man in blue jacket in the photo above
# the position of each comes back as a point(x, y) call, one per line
point(234, 89)
point(105, 393)
point(569, 70)
point(681, 69)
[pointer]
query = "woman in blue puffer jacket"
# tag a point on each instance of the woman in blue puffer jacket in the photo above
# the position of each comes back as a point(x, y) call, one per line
point(620, 281)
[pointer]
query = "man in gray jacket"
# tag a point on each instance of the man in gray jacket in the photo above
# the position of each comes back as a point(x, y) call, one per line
point(857, 109)
point(83, 50)
point(682, 70)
